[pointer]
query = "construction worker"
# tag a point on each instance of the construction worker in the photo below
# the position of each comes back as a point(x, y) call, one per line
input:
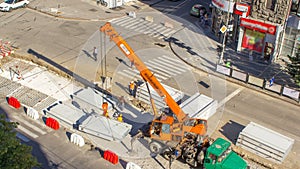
point(131, 88)
point(120, 118)
point(104, 108)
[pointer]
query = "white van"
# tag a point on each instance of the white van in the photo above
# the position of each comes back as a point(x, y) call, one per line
point(8, 5)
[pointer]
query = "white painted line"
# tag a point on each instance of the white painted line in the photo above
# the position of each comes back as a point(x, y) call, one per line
point(157, 31)
point(167, 68)
point(226, 99)
point(165, 31)
point(169, 63)
point(159, 77)
point(141, 28)
point(175, 63)
point(159, 70)
point(170, 33)
point(121, 20)
point(138, 24)
point(128, 23)
point(22, 137)
point(30, 125)
point(149, 30)
point(175, 60)
point(29, 133)
point(158, 74)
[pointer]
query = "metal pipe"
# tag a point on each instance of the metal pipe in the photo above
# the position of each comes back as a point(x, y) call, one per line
point(225, 34)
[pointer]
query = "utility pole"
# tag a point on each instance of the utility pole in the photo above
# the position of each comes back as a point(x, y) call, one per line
point(225, 34)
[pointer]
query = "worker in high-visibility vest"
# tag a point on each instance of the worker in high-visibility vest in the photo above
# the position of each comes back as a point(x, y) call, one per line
point(105, 108)
point(120, 118)
point(131, 88)
point(105, 113)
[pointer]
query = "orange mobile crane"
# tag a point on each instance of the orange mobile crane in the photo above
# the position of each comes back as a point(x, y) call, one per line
point(167, 131)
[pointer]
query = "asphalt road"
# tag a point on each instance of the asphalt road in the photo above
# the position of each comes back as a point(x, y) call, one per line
point(63, 40)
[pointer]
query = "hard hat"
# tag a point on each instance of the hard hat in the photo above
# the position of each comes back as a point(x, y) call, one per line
point(121, 115)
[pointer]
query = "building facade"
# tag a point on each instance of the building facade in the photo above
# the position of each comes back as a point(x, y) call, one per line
point(255, 26)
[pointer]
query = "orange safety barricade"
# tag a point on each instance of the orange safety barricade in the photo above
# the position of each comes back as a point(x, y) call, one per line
point(52, 123)
point(14, 102)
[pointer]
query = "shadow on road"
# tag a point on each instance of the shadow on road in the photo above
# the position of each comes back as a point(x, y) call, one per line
point(231, 130)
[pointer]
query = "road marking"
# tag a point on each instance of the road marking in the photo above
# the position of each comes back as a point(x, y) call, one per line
point(172, 64)
point(165, 68)
point(30, 125)
point(29, 133)
point(226, 99)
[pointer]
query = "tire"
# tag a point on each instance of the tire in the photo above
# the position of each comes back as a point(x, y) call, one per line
point(200, 157)
point(24, 5)
point(167, 154)
point(105, 4)
point(9, 9)
point(155, 147)
point(192, 162)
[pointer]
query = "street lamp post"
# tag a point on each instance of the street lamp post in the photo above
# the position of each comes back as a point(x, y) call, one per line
point(225, 34)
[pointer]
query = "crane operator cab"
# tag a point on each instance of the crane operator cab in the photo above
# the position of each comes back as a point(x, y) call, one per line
point(167, 128)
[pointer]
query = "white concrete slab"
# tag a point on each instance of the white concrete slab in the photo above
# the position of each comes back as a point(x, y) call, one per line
point(105, 128)
point(67, 113)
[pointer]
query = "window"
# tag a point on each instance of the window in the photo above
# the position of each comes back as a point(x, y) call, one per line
point(270, 4)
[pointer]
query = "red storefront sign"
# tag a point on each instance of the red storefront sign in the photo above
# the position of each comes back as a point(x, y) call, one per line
point(240, 8)
point(258, 26)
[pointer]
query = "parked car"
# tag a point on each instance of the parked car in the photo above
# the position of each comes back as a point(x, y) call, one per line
point(198, 10)
point(9, 5)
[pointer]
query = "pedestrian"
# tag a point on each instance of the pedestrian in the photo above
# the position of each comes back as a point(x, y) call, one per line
point(95, 53)
point(131, 64)
point(131, 88)
point(121, 103)
point(228, 64)
point(120, 118)
point(206, 19)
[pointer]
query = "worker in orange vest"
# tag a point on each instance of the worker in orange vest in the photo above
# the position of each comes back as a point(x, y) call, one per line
point(131, 88)
point(105, 107)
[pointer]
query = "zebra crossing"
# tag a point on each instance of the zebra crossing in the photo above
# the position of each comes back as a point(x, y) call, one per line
point(29, 129)
point(143, 26)
point(163, 68)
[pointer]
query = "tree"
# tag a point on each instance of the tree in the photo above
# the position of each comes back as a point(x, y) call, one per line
point(294, 67)
point(13, 154)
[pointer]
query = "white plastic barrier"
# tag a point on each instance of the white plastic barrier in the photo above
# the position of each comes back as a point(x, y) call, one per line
point(131, 165)
point(77, 139)
point(31, 112)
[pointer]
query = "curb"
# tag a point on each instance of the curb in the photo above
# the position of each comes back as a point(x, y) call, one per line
point(294, 102)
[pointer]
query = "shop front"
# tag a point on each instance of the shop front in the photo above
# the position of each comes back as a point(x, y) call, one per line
point(259, 37)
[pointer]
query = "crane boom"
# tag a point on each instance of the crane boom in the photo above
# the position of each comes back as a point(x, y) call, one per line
point(146, 74)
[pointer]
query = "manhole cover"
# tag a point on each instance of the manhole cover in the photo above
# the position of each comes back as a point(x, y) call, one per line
point(93, 10)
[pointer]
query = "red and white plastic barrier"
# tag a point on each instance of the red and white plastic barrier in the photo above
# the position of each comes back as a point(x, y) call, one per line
point(111, 157)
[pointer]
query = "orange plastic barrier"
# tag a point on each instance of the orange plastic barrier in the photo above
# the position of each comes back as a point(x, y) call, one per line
point(50, 122)
point(14, 102)
point(111, 157)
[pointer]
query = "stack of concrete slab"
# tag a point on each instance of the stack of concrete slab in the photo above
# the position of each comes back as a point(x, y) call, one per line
point(142, 94)
point(199, 106)
point(265, 142)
